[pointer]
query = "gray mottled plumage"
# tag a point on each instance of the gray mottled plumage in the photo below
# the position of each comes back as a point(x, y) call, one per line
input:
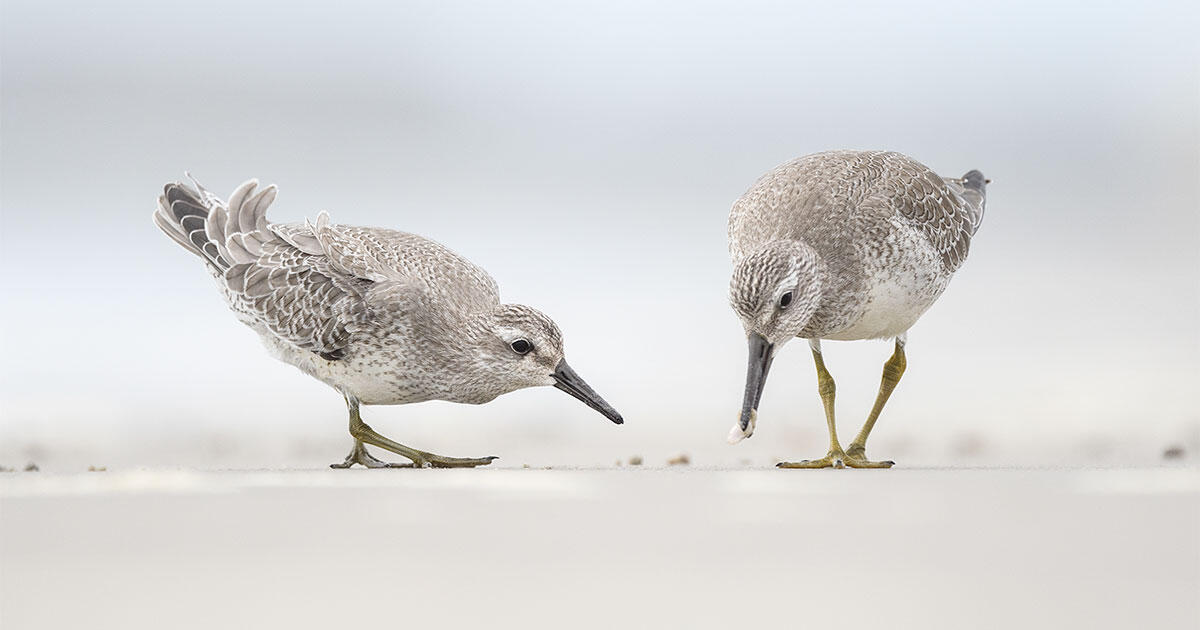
point(875, 229)
point(383, 316)
point(844, 245)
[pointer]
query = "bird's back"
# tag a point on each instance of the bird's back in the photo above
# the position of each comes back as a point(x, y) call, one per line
point(380, 254)
point(840, 201)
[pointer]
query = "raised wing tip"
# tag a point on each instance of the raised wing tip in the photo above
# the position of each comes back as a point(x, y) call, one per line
point(246, 186)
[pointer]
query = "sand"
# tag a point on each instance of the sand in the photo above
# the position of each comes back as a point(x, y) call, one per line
point(602, 548)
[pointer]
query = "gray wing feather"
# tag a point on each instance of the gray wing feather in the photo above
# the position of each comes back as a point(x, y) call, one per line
point(928, 202)
point(314, 285)
point(940, 208)
point(390, 256)
point(300, 297)
point(233, 223)
point(286, 285)
point(354, 251)
point(300, 236)
point(246, 228)
point(295, 292)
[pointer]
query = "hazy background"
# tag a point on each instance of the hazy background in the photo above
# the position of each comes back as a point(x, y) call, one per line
point(587, 155)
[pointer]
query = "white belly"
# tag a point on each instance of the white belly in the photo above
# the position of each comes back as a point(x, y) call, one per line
point(374, 380)
point(900, 288)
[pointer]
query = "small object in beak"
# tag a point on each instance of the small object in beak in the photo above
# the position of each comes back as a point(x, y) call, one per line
point(737, 435)
point(567, 380)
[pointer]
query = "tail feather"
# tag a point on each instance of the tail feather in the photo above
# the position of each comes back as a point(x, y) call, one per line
point(234, 223)
point(975, 181)
point(182, 215)
point(973, 188)
point(214, 225)
point(170, 228)
point(223, 234)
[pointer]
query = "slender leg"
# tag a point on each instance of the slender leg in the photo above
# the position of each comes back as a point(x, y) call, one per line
point(826, 387)
point(892, 371)
point(420, 459)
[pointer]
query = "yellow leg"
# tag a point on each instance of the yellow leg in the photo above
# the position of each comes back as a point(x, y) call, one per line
point(836, 458)
point(892, 371)
point(420, 459)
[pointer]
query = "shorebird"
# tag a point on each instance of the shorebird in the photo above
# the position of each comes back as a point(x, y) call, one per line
point(384, 317)
point(844, 245)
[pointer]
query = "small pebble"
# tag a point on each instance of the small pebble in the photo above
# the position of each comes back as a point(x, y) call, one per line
point(97, 468)
point(7, 469)
point(681, 459)
point(31, 467)
point(636, 460)
point(1173, 452)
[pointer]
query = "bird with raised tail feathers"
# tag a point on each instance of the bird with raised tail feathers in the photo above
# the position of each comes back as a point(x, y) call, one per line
point(844, 245)
point(382, 316)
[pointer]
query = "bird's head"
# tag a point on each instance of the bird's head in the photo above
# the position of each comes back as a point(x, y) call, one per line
point(524, 348)
point(774, 290)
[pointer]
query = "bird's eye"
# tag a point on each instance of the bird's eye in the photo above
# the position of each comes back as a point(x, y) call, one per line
point(521, 346)
point(785, 300)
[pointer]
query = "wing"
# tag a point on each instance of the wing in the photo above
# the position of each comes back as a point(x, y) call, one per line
point(947, 211)
point(391, 256)
point(315, 285)
point(301, 298)
point(294, 293)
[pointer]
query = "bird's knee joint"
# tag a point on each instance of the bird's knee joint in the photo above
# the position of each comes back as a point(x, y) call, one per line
point(826, 387)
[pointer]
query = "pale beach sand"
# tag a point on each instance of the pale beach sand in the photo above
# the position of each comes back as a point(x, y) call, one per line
point(594, 548)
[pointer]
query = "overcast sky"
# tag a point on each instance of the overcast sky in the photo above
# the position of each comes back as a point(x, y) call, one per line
point(586, 154)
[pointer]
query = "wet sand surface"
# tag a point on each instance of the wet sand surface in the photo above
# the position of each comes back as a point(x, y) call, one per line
point(680, 547)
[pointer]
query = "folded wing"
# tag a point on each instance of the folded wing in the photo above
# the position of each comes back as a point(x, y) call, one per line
point(287, 286)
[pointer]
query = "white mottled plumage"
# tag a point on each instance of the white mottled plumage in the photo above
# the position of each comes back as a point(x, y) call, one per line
point(382, 316)
point(861, 243)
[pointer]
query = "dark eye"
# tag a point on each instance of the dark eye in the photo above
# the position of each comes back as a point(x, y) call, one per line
point(785, 300)
point(521, 346)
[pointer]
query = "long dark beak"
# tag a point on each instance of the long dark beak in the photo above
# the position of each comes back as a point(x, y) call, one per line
point(761, 355)
point(569, 381)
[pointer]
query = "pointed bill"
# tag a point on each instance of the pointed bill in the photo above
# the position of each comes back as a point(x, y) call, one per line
point(567, 380)
point(759, 363)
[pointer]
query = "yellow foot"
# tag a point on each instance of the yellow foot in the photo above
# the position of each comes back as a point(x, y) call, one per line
point(835, 459)
point(853, 458)
point(359, 455)
point(856, 457)
point(420, 459)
